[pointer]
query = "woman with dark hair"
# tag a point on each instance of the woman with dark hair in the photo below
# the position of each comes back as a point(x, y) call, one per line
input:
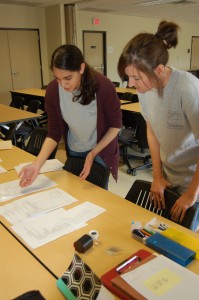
point(82, 105)
point(169, 101)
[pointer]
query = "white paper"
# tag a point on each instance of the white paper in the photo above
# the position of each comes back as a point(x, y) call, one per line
point(83, 212)
point(104, 294)
point(2, 170)
point(45, 228)
point(52, 225)
point(33, 205)
point(162, 278)
point(5, 145)
point(11, 189)
point(49, 166)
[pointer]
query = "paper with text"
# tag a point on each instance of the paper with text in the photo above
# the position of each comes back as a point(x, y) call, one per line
point(162, 278)
point(83, 212)
point(10, 190)
point(49, 166)
point(33, 205)
point(52, 225)
point(45, 228)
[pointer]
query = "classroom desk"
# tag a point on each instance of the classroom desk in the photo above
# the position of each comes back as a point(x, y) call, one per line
point(13, 157)
point(124, 102)
point(121, 90)
point(11, 114)
point(39, 94)
point(113, 226)
point(132, 107)
point(21, 272)
point(30, 94)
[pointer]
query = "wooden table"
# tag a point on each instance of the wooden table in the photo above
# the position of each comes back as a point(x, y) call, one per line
point(132, 107)
point(124, 102)
point(20, 272)
point(10, 114)
point(30, 94)
point(121, 90)
point(113, 226)
point(13, 157)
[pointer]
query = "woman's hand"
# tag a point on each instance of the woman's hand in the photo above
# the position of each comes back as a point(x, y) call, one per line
point(157, 192)
point(87, 166)
point(180, 207)
point(28, 174)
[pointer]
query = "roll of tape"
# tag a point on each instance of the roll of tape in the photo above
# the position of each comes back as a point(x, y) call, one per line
point(94, 234)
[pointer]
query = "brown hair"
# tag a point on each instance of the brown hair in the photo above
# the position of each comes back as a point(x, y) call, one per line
point(69, 57)
point(146, 51)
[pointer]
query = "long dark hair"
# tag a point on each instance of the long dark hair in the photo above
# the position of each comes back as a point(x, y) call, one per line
point(146, 51)
point(69, 57)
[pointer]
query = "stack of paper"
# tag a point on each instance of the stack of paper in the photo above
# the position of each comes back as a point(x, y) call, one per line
point(49, 166)
point(5, 145)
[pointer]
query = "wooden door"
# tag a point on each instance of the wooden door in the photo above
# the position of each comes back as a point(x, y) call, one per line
point(5, 74)
point(94, 50)
point(25, 59)
point(20, 62)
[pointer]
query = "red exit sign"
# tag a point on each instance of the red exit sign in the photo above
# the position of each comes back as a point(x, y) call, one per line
point(95, 21)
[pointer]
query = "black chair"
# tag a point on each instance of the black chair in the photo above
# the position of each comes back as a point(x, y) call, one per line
point(36, 141)
point(10, 133)
point(25, 130)
point(116, 83)
point(43, 120)
point(17, 102)
point(33, 106)
point(139, 194)
point(98, 175)
point(132, 137)
point(130, 96)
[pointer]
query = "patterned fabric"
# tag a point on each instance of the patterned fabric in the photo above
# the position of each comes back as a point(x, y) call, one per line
point(81, 280)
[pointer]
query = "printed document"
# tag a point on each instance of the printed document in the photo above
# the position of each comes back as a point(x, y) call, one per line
point(36, 204)
point(162, 278)
point(49, 166)
point(11, 189)
point(52, 225)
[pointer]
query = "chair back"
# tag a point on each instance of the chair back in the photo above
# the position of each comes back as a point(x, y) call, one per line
point(10, 134)
point(116, 83)
point(98, 174)
point(36, 141)
point(33, 106)
point(130, 96)
point(139, 194)
point(17, 102)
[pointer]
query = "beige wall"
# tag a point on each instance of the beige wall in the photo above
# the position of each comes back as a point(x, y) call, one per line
point(120, 29)
point(50, 22)
point(53, 30)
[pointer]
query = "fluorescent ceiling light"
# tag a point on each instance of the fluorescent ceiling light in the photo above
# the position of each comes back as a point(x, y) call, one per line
point(157, 2)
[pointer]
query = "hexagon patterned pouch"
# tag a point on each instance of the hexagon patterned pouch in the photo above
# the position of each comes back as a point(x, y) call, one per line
point(79, 282)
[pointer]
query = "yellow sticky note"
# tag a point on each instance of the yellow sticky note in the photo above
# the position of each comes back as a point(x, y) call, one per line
point(162, 282)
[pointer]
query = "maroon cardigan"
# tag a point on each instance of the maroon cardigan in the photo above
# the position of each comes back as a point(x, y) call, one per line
point(108, 115)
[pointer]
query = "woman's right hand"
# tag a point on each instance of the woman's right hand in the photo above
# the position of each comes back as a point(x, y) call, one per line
point(28, 174)
point(157, 192)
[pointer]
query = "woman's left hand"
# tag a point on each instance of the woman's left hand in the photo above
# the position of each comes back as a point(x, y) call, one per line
point(180, 207)
point(87, 166)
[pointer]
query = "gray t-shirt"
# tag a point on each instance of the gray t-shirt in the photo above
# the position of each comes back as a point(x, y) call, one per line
point(82, 122)
point(175, 121)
